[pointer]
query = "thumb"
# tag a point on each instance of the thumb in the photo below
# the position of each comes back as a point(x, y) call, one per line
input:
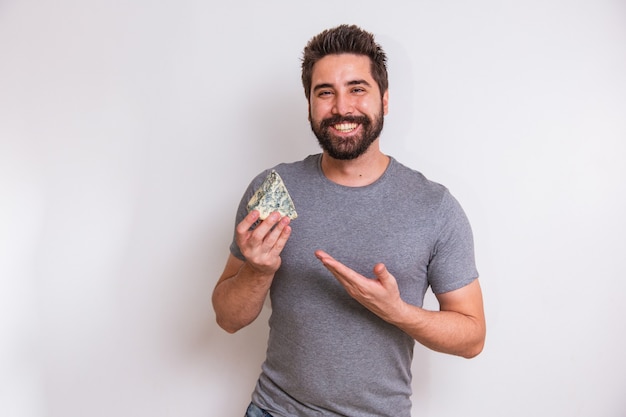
point(385, 278)
point(381, 272)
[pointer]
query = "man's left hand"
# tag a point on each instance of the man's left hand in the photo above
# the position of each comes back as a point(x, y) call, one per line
point(380, 294)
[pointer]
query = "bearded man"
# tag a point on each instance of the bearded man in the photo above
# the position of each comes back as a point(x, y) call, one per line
point(347, 278)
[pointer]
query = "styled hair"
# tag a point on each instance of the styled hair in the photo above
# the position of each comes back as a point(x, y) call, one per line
point(344, 39)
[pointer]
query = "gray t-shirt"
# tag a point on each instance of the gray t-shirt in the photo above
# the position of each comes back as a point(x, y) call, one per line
point(327, 355)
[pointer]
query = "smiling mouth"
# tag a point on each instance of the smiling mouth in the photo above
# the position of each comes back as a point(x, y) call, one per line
point(345, 127)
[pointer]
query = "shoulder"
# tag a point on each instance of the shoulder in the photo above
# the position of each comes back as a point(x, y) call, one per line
point(416, 183)
point(299, 172)
point(305, 165)
point(432, 198)
point(289, 170)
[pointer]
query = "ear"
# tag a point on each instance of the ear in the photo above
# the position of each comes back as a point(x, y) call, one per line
point(386, 102)
point(309, 110)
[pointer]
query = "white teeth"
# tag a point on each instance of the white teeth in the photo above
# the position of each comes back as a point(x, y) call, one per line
point(346, 127)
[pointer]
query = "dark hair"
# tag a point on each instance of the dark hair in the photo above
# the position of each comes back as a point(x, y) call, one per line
point(344, 39)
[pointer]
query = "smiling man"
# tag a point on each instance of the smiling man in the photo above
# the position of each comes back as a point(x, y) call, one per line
point(347, 278)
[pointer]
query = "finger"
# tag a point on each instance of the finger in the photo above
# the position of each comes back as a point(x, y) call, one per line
point(339, 270)
point(278, 234)
point(321, 255)
point(381, 272)
point(247, 222)
point(328, 261)
point(385, 278)
point(285, 232)
point(263, 229)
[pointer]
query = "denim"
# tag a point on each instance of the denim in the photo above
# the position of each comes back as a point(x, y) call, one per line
point(254, 411)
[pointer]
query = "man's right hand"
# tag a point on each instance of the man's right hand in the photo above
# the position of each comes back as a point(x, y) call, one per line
point(241, 290)
point(263, 245)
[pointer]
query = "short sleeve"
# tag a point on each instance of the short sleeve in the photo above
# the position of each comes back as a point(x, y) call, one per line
point(452, 264)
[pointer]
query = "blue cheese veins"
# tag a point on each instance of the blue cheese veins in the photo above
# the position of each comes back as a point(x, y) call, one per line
point(272, 196)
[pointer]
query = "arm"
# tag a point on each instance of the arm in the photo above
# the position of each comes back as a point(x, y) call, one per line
point(241, 289)
point(458, 328)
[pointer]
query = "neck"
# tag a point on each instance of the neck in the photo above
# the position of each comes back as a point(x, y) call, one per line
point(358, 172)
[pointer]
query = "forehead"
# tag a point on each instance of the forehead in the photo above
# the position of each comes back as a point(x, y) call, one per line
point(341, 67)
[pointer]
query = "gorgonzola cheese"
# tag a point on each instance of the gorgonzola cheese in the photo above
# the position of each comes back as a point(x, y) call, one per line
point(272, 196)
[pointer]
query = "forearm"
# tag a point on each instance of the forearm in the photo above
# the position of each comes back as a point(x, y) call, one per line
point(458, 328)
point(238, 300)
point(443, 331)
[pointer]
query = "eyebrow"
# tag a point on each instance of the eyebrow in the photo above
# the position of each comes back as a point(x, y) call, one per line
point(359, 82)
point(349, 83)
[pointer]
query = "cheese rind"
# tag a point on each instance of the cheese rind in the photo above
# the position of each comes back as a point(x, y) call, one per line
point(272, 196)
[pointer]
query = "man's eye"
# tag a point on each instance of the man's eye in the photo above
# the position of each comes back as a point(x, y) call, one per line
point(324, 93)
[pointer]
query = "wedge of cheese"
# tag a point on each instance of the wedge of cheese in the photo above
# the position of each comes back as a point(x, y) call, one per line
point(272, 196)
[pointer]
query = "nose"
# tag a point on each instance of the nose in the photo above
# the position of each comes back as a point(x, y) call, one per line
point(342, 105)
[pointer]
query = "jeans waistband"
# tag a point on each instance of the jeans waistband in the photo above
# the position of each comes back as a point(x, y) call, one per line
point(254, 411)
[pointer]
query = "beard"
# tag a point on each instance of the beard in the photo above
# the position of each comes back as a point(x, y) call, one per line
point(343, 148)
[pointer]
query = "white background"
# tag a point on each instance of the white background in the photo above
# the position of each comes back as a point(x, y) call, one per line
point(129, 130)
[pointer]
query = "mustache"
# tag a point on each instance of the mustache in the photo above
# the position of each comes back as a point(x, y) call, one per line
point(333, 120)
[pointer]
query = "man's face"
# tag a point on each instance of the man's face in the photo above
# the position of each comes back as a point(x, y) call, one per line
point(345, 109)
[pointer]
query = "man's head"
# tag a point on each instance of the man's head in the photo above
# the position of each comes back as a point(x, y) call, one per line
point(344, 39)
point(345, 81)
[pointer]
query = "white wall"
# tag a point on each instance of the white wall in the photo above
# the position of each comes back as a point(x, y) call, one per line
point(128, 131)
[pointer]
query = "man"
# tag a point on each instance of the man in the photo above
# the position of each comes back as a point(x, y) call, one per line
point(347, 278)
